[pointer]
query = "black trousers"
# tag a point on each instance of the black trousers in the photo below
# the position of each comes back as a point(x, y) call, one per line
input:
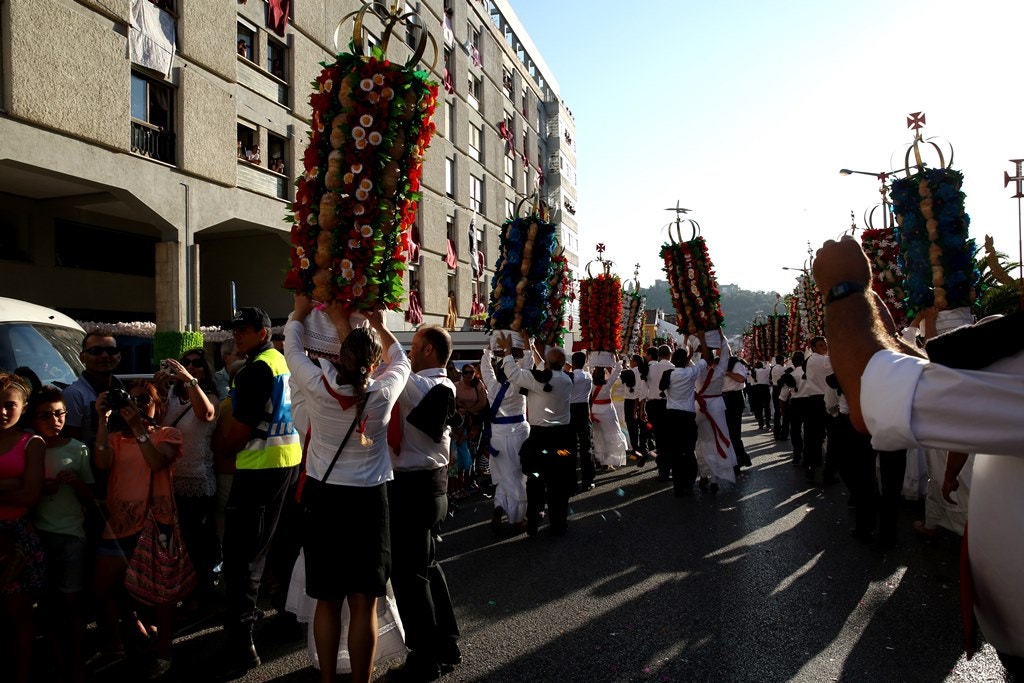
point(797, 414)
point(682, 455)
point(199, 534)
point(734, 421)
point(579, 418)
point(855, 460)
point(548, 458)
point(781, 424)
point(250, 520)
point(629, 407)
point(815, 420)
point(656, 413)
point(284, 549)
point(417, 503)
point(892, 467)
point(761, 404)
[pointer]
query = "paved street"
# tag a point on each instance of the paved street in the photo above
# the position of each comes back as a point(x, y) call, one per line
point(758, 583)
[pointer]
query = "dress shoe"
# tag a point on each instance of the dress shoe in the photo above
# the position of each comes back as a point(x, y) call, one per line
point(704, 483)
point(449, 656)
point(239, 655)
point(416, 668)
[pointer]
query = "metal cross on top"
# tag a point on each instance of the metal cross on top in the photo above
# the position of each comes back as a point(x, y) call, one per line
point(916, 121)
point(1018, 178)
point(600, 247)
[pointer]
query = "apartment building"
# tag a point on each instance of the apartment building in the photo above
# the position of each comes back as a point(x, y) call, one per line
point(148, 150)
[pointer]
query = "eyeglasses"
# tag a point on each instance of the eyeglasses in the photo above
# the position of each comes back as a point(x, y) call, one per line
point(50, 414)
point(142, 400)
point(194, 362)
point(100, 350)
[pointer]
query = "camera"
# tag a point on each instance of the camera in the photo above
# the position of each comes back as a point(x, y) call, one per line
point(164, 365)
point(118, 398)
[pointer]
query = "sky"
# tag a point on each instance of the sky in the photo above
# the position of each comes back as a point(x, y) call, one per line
point(745, 111)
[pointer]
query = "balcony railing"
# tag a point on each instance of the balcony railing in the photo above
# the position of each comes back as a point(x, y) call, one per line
point(153, 143)
point(261, 180)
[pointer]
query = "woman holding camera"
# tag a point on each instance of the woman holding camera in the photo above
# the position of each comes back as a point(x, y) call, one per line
point(192, 409)
point(347, 545)
point(138, 455)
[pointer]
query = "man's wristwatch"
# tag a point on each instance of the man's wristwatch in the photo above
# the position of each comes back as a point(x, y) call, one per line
point(193, 382)
point(143, 438)
point(842, 290)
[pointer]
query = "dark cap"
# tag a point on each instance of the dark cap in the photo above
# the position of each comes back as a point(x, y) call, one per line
point(252, 316)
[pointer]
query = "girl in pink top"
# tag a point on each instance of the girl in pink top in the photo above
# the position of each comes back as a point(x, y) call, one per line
point(21, 553)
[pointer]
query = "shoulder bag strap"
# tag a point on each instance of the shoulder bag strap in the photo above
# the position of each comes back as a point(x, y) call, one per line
point(351, 428)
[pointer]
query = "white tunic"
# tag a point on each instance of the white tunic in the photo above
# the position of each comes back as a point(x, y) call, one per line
point(711, 419)
point(609, 443)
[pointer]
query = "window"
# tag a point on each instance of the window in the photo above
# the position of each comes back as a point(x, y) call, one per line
point(14, 238)
point(246, 42)
point(475, 45)
point(370, 41)
point(510, 208)
point(412, 30)
point(449, 118)
point(248, 142)
point(152, 125)
point(451, 258)
point(78, 245)
point(276, 147)
point(476, 194)
point(510, 171)
point(476, 87)
point(449, 70)
point(449, 177)
point(526, 178)
point(526, 99)
point(276, 54)
point(475, 141)
point(507, 84)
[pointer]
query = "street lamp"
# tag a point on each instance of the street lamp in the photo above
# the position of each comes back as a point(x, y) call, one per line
point(883, 178)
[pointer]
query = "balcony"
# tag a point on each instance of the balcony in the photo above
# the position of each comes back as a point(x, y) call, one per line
point(260, 180)
point(262, 82)
point(152, 142)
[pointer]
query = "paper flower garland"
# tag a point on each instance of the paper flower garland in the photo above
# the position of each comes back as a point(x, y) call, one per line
point(560, 293)
point(601, 312)
point(936, 254)
point(806, 313)
point(759, 340)
point(357, 200)
point(519, 287)
point(633, 308)
point(794, 333)
point(692, 285)
point(886, 279)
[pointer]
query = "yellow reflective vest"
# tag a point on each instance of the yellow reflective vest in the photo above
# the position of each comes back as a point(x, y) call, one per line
point(274, 441)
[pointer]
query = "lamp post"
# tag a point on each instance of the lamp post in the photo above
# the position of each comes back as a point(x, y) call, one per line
point(883, 178)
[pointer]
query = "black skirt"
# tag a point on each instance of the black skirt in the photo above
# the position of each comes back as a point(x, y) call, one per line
point(347, 541)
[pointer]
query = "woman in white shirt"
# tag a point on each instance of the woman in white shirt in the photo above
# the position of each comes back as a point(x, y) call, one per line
point(609, 441)
point(347, 546)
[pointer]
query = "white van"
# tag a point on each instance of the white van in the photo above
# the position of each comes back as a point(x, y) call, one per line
point(41, 339)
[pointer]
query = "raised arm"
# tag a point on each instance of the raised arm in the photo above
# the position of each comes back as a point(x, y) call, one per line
point(853, 327)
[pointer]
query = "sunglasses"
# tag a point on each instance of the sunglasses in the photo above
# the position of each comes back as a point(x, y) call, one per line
point(142, 400)
point(100, 350)
point(193, 362)
point(50, 414)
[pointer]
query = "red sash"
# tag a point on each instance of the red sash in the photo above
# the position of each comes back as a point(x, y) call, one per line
point(702, 405)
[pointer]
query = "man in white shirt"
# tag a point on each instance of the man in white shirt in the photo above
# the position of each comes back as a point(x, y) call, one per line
point(549, 454)
point(579, 410)
point(680, 418)
point(419, 436)
point(761, 396)
point(817, 369)
point(904, 401)
point(732, 394)
point(655, 408)
point(509, 429)
point(781, 423)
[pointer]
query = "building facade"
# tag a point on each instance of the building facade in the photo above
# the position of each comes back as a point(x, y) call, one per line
point(148, 150)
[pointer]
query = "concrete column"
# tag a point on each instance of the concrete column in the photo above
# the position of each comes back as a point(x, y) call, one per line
point(170, 287)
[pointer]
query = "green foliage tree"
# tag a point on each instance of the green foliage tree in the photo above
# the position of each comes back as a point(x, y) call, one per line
point(739, 306)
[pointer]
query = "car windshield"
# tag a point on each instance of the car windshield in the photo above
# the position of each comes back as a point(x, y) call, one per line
point(49, 351)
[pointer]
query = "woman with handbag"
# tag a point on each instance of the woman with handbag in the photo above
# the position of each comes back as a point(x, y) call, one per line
point(192, 410)
point(347, 547)
point(21, 553)
point(139, 456)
